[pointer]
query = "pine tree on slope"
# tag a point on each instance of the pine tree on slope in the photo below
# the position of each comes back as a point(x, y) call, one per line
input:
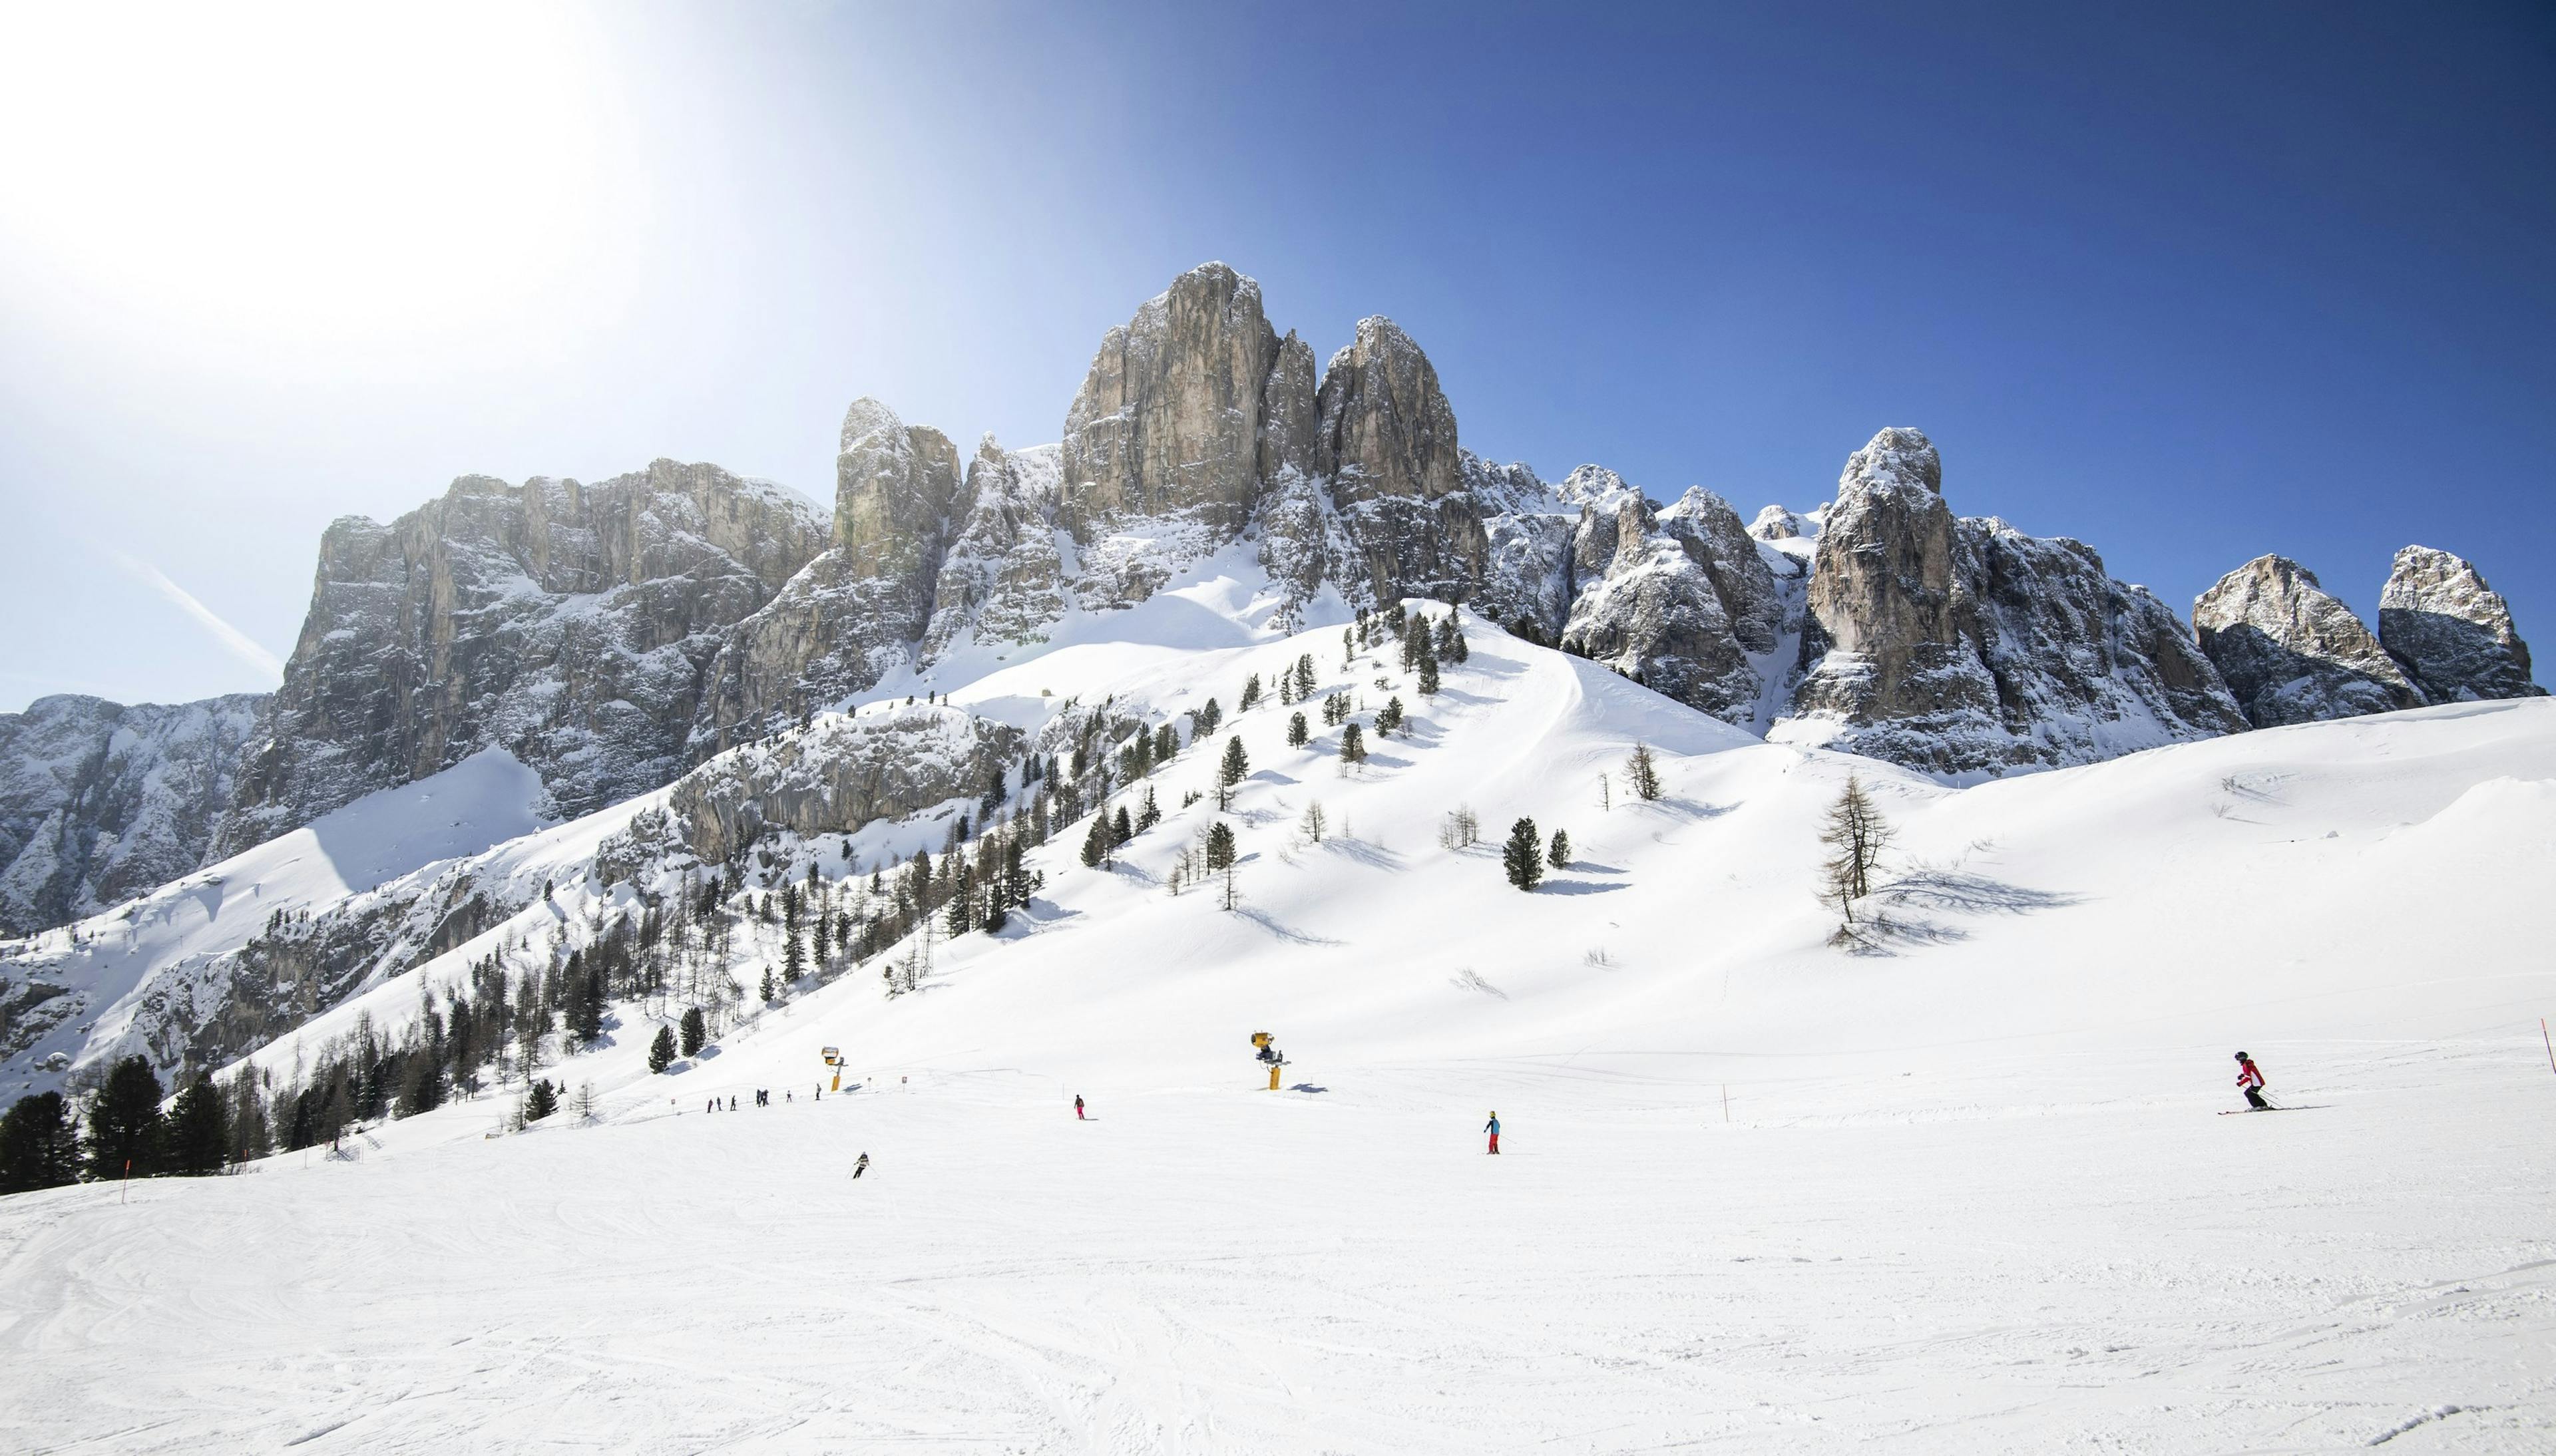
point(39, 1147)
point(1229, 772)
point(198, 1133)
point(125, 1129)
point(1523, 856)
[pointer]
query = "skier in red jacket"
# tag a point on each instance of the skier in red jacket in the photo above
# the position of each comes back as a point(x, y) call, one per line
point(2249, 1080)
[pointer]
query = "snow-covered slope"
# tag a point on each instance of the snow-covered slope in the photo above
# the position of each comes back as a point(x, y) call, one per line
point(149, 975)
point(1960, 1192)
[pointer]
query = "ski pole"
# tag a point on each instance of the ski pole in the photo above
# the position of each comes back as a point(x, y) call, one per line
point(2551, 1046)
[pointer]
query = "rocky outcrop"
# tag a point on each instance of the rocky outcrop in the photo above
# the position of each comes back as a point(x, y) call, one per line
point(1528, 537)
point(1888, 647)
point(898, 490)
point(1387, 430)
point(1003, 579)
point(101, 802)
point(1167, 418)
point(1774, 523)
point(1677, 599)
point(838, 773)
point(573, 625)
point(1965, 648)
point(2451, 633)
point(2291, 653)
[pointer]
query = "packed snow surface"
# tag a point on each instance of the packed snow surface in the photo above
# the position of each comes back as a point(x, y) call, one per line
point(1966, 1192)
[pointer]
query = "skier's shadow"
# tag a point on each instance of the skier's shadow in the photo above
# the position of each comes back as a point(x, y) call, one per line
point(1308, 1087)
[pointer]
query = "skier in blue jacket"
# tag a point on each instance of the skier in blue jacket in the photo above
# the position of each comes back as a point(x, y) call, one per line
point(1493, 1128)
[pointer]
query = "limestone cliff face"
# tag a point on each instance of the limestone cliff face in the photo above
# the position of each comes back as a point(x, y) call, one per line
point(2291, 653)
point(897, 490)
point(570, 624)
point(1965, 648)
point(101, 802)
point(1387, 430)
point(2451, 633)
point(1167, 418)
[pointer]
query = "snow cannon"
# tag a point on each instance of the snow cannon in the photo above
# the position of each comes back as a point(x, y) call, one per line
point(834, 1058)
point(1269, 1055)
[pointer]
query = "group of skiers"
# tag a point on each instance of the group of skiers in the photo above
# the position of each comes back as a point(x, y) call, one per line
point(2249, 1080)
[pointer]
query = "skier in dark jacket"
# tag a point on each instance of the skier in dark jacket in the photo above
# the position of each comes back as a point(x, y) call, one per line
point(861, 1166)
point(2249, 1080)
point(1077, 1107)
point(1493, 1128)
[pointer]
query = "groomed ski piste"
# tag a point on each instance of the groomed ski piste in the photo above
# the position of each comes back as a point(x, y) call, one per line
point(1964, 1191)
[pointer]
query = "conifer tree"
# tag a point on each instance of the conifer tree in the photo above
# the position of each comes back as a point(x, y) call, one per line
point(1296, 736)
point(1304, 677)
point(1229, 772)
point(1018, 883)
point(541, 1101)
point(661, 1051)
point(124, 1123)
point(1390, 717)
point(1096, 841)
point(1451, 638)
point(1206, 720)
point(1856, 835)
point(198, 1133)
point(794, 955)
point(1152, 813)
point(1559, 855)
point(1427, 674)
point(1167, 744)
point(37, 1144)
point(1642, 772)
point(1349, 648)
point(1250, 694)
point(1522, 857)
point(1352, 744)
point(249, 1138)
point(423, 1092)
point(770, 992)
point(1219, 846)
point(695, 1032)
point(1123, 828)
point(962, 903)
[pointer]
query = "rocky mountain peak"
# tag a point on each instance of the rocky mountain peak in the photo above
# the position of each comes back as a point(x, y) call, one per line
point(1965, 648)
point(2452, 633)
point(1893, 460)
point(1168, 420)
point(1386, 426)
point(569, 624)
point(2292, 653)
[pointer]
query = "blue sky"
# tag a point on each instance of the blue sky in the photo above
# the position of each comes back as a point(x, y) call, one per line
point(2190, 284)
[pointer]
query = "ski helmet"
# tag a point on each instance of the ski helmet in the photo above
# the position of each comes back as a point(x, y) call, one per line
point(2240, 1056)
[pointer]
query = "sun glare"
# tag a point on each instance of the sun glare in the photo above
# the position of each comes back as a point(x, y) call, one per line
point(318, 173)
